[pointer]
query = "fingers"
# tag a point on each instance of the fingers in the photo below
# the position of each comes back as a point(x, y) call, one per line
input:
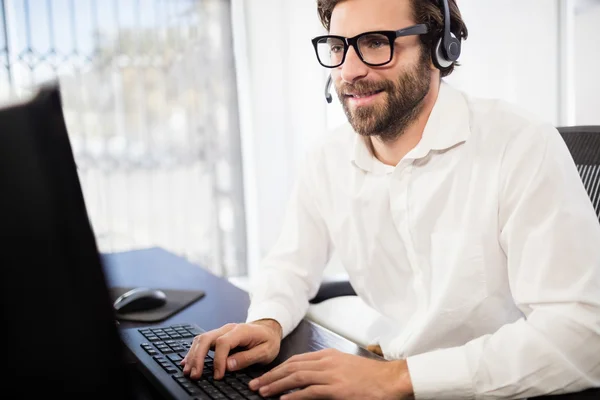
point(311, 356)
point(194, 360)
point(239, 336)
point(261, 354)
point(296, 380)
point(299, 372)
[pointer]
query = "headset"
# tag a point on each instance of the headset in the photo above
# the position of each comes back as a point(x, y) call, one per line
point(444, 54)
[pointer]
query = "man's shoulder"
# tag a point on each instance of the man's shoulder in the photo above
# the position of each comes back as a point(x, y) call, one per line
point(500, 122)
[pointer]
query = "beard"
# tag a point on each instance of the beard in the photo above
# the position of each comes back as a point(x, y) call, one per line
point(402, 106)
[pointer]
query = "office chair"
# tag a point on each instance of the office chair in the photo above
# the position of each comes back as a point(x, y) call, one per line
point(583, 143)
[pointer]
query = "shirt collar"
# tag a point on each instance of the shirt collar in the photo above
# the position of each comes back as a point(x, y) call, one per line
point(447, 126)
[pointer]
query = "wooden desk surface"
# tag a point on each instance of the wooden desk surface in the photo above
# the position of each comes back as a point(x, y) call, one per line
point(225, 303)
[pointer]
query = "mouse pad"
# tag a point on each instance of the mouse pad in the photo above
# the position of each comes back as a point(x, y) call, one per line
point(177, 300)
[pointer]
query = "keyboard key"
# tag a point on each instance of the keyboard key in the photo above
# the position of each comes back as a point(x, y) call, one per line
point(202, 396)
point(180, 377)
point(174, 357)
point(229, 392)
point(246, 392)
point(219, 384)
point(192, 390)
point(187, 385)
point(171, 370)
point(195, 331)
point(245, 379)
point(150, 350)
point(166, 365)
point(237, 385)
point(211, 390)
point(203, 384)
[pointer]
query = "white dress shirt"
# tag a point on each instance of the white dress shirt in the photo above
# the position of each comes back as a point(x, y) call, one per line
point(480, 249)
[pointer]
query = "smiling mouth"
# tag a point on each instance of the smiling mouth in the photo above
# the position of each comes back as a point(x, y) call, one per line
point(362, 95)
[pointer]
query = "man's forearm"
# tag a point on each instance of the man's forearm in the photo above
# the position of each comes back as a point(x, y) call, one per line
point(528, 358)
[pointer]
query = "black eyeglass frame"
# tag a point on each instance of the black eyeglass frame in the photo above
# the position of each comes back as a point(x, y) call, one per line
point(419, 29)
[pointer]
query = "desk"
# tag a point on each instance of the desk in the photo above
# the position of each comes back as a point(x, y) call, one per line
point(222, 304)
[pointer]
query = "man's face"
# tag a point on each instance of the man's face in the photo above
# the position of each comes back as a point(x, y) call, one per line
point(382, 100)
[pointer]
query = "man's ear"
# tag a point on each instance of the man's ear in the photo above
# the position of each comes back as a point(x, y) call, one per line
point(432, 66)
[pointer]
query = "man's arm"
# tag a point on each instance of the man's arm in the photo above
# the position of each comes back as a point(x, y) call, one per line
point(291, 273)
point(551, 237)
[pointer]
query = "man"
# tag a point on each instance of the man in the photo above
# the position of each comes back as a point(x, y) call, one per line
point(461, 220)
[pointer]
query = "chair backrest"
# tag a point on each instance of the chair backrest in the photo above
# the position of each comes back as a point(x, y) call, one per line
point(584, 145)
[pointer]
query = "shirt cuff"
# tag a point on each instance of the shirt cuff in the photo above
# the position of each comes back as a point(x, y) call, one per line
point(441, 374)
point(272, 310)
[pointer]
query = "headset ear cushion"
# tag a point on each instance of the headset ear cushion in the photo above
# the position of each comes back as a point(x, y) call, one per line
point(438, 57)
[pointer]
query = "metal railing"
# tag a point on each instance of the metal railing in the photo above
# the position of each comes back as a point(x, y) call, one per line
point(150, 101)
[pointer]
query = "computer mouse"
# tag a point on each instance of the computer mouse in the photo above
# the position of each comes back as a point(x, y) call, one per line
point(139, 299)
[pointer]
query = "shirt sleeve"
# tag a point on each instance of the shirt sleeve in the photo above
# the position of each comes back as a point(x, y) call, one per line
point(551, 237)
point(291, 273)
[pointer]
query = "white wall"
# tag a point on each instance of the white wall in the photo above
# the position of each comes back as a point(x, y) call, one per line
point(587, 64)
point(511, 53)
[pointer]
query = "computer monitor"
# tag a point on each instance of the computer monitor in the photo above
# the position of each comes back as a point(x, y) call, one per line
point(59, 334)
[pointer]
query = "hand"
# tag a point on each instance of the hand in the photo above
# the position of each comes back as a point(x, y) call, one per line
point(261, 340)
point(331, 374)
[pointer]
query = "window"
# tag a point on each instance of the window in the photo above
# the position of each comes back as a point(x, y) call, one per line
point(150, 100)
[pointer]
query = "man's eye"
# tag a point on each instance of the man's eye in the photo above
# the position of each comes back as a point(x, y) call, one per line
point(337, 49)
point(375, 43)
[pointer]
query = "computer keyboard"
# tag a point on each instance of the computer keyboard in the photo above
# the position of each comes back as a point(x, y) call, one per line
point(169, 345)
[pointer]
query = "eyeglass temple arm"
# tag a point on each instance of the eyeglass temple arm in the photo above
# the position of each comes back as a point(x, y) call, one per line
point(419, 29)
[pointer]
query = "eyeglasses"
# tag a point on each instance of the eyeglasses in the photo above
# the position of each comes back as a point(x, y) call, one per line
point(374, 48)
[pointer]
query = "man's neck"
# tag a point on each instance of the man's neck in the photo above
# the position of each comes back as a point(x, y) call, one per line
point(392, 152)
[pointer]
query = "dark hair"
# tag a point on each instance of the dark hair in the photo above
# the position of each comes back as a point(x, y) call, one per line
point(427, 12)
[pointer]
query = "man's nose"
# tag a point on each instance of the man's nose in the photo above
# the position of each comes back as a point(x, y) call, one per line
point(353, 67)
